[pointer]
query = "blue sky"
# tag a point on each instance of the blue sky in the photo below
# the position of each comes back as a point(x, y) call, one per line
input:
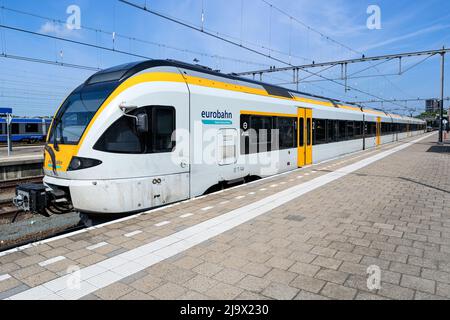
point(36, 89)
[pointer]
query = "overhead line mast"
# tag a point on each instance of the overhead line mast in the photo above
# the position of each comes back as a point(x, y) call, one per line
point(343, 62)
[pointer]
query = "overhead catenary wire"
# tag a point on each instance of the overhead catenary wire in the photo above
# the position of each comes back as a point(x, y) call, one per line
point(232, 42)
point(115, 35)
point(342, 45)
point(309, 27)
point(74, 41)
point(50, 62)
point(209, 32)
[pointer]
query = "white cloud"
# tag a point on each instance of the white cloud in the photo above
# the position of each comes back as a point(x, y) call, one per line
point(57, 29)
point(406, 36)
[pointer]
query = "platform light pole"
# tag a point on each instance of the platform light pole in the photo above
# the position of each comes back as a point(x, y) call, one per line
point(8, 133)
point(441, 102)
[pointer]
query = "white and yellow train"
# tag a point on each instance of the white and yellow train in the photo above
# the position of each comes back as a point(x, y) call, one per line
point(146, 134)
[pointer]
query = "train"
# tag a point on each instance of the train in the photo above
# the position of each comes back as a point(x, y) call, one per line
point(29, 130)
point(146, 134)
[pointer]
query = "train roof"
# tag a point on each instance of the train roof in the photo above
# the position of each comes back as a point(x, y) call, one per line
point(122, 72)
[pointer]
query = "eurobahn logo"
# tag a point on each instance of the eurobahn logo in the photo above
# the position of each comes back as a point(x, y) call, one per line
point(217, 117)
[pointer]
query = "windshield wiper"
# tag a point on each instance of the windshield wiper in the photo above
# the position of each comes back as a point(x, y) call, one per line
point(55, 132)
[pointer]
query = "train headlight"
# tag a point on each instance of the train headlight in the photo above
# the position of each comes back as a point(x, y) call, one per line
point(78, 163)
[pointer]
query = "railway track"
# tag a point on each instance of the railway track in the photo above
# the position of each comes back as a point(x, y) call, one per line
point(8, 190)
point(28, 227)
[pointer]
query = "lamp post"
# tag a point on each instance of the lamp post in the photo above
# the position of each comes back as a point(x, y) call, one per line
point(441, 107)
point(8, 132)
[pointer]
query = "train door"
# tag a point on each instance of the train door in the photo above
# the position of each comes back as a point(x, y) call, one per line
point(304, 135)
point(378, 142)
point(172, 151)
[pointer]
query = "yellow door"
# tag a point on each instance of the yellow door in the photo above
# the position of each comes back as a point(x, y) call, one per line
point(378, 142)
point(309, 132)
point(304, 136)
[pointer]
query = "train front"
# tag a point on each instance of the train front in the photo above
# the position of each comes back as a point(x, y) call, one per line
point(78, 173)
point(65, 170)
point(64, 167)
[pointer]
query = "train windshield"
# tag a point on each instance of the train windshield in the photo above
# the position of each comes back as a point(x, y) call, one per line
point(77, 112)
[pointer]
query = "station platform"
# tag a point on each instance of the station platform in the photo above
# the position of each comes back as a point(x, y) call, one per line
point(20, 155)
point(313, 233)
point(23, 162)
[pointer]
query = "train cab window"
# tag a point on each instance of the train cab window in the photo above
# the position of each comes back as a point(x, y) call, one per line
point(319, 131)
point(31, 128)
point(163, 126)
point(122, 136)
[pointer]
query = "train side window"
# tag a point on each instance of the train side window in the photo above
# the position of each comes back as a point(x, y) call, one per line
point(384, 128)
point(31, 128)
point(357, 129)
point(370, 129)
point(319, 131)
point(331, 131)
point(1, 128)
point(262, 127)
point(342, 136)
point(308, 131)
point(245, 134)
point(15, 129)
point(287, 134)
point(350, 130)
point(302, 132)
point(162, 128)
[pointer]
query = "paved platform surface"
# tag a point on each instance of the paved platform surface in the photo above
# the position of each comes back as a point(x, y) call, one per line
point(308, 234)
point(22, 155)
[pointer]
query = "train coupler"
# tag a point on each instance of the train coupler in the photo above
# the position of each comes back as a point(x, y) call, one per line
point(31, 197)
point(40, 199)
